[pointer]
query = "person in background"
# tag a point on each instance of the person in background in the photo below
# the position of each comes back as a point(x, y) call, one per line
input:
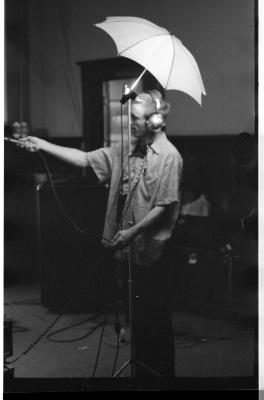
point(24, 129)
point(16, 130)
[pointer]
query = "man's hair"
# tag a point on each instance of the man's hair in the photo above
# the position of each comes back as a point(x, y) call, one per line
point(149, 98)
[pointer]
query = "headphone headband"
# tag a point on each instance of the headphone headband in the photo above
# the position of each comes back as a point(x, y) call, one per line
point(158, 104)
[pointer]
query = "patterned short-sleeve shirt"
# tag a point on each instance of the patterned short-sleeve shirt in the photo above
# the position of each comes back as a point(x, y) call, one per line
point(158, 185)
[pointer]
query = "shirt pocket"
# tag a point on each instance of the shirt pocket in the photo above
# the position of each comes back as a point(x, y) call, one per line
point(151, 181)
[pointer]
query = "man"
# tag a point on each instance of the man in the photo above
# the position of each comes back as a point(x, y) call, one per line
point(141, 218)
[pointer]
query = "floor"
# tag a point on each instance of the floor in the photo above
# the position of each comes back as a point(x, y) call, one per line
point(206, 344)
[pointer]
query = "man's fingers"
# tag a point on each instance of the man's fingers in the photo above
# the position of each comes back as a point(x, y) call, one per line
point(115, 243)
point(116, 237)
point(119, 240)
point(26, 143)
point(20, 144)
point(116, 240)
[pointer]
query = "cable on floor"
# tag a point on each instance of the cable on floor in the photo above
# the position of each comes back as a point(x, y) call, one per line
point(100, 342)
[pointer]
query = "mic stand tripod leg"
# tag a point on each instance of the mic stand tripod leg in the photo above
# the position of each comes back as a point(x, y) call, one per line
point(118, 372)
point(147, 368)
point(141, 364)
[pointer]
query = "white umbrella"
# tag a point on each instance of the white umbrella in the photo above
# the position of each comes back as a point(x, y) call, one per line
point(158, 51)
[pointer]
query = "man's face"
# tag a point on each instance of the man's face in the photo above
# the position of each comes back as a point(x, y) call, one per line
point(139, 114)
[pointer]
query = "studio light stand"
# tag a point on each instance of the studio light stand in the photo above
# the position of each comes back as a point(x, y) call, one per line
point(128, 95)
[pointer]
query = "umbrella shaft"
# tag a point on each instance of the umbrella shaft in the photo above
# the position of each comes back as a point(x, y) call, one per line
point(138, 79)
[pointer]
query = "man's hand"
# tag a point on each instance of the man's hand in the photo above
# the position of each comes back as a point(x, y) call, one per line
point(30, 143)
point(123, 238)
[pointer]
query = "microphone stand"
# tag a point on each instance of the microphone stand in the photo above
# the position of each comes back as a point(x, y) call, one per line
point(128, 95)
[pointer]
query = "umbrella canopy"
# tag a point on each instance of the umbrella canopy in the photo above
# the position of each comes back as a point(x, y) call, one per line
point(158, 51)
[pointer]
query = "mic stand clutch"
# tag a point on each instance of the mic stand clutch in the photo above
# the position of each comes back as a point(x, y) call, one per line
point(127, 95)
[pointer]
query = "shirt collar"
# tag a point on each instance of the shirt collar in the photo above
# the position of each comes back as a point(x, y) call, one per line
point(157, 143)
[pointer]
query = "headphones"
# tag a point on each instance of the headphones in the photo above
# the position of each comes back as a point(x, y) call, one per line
point(155, 121)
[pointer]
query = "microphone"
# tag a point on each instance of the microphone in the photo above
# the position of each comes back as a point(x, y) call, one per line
point(127, 94)
point(7, 139)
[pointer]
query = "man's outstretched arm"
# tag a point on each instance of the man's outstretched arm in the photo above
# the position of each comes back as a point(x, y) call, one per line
point(72, 156)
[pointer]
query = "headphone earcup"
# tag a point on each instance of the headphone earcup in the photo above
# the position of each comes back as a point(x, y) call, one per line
point(155, 122)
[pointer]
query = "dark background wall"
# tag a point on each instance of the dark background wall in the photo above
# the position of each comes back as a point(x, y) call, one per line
point(52, 36)
point(45, 39)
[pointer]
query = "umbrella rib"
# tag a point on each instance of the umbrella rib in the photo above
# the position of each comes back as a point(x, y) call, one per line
point(138, 22)
point(171, 63)
point(140, 41)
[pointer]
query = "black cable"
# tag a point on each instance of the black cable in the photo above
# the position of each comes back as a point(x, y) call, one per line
point(114, 345)
point(56, 197)
point(117, 352)
point(73, 92)
point(46, 331)
point(190, 339)
point(35, 342)
point(73, 326)
point(66, 215)
point(184, 339)
point(17, 328)
point(100, 342)
point(117, 324)
point(18, 305)
point(122, 147)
